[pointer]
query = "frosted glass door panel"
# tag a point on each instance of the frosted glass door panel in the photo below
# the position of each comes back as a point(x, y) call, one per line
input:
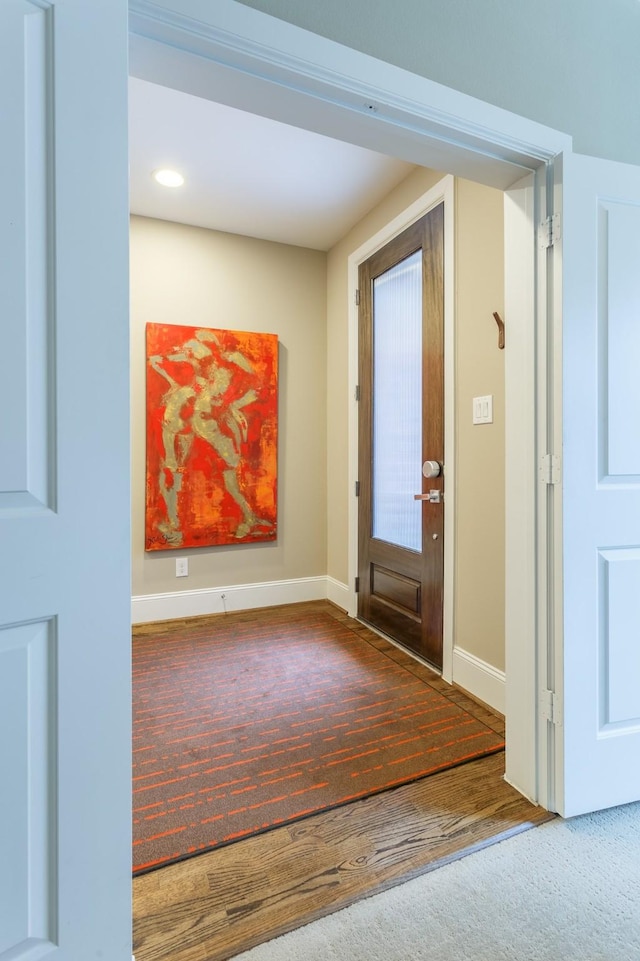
point(397, 404)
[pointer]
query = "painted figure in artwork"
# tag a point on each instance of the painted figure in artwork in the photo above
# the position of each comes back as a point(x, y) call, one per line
point(206, 401)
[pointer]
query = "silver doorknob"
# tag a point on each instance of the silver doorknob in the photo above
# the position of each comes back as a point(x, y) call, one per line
point(434, 537)
point(431, 468)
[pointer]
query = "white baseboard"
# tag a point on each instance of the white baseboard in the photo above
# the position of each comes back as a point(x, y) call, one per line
point(480, 679)
point(238, 597)
point(339, 594)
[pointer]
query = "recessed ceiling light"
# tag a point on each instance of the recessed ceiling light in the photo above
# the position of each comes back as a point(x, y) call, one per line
point(168, 178)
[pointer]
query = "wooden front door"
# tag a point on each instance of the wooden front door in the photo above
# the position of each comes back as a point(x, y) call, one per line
point(401, 429)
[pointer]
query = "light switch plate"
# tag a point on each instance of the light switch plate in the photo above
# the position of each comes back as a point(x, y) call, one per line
point(483, 409)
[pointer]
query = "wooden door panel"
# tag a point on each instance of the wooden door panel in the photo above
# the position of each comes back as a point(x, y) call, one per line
point(396, 589)
point(401, 588)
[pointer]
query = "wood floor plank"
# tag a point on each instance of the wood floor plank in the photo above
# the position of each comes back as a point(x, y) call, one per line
point(218, 904)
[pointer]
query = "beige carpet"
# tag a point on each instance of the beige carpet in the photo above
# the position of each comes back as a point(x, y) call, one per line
point(565, 891)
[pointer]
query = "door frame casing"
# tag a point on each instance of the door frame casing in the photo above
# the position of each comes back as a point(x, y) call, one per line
point(441, 192)
point(528, 555)
point(242, 57)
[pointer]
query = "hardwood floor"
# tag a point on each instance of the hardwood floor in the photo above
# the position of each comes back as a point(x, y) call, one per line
point(218, 904)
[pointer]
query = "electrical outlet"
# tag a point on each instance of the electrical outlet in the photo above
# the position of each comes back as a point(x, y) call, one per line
point(182, 566)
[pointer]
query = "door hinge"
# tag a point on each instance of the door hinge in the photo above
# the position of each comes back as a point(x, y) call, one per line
point(356, 585)
point(549, 231)
point(550, 707)
point(357, 392)
point(549, 470)
point(357, 487)
point(357, 298)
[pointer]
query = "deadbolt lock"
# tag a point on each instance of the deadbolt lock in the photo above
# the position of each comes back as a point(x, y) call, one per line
point(431, 468)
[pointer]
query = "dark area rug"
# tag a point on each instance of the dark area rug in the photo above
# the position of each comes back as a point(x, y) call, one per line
point(242, 725)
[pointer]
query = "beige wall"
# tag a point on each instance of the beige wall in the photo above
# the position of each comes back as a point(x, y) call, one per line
point(187, 275)
point(479, 538)
point(479, 521)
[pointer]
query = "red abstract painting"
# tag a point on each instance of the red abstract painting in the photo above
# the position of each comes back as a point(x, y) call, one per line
point(212, 433)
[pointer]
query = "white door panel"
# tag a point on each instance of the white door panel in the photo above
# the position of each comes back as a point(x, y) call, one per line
point(599, 739)
point(64, 479)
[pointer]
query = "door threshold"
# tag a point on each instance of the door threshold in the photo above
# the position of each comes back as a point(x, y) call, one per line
point(400, 646)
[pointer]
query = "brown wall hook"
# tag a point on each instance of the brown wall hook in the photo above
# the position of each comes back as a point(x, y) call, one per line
point(500, 323)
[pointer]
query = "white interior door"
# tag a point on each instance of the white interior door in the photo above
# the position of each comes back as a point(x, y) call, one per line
point(598, 668)
point(64, 482)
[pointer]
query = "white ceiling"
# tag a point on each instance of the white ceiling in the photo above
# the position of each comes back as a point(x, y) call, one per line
point(249, 175)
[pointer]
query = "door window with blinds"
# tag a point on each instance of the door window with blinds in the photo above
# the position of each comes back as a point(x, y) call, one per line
point(397, 403)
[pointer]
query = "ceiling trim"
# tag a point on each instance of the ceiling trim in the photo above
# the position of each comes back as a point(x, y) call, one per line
point(237, 53)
